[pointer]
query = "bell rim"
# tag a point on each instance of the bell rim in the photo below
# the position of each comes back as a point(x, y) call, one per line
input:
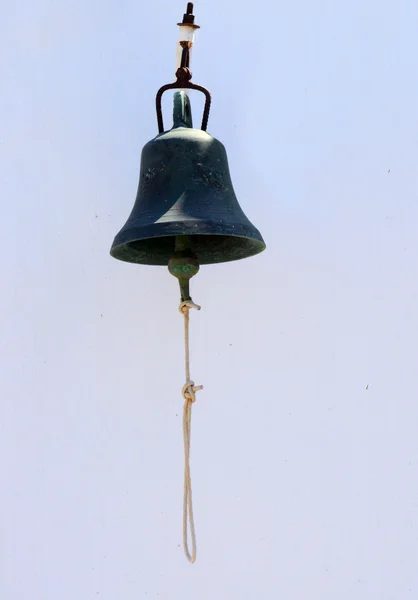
point(122, 245)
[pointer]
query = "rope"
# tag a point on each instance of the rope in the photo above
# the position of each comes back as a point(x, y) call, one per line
point(189, 394)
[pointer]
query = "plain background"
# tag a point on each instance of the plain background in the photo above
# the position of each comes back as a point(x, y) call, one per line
point(304, 445)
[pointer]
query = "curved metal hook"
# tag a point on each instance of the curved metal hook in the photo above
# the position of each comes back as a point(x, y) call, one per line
point(178, 85)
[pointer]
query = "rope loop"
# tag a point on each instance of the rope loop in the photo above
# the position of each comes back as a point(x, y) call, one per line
point(189, 394)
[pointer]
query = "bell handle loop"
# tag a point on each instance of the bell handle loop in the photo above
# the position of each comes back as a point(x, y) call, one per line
point(179, 86)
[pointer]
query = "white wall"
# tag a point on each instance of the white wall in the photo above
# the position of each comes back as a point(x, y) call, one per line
point(305, 446)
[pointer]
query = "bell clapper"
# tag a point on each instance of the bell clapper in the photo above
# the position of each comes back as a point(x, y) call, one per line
point(183, 265)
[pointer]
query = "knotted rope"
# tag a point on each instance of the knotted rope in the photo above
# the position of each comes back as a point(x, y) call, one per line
point(189, 394)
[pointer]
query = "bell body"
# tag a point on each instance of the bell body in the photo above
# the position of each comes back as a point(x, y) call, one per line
point(185, 189)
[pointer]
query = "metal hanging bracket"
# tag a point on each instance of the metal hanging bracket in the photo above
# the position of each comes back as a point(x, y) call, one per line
point(184, 76)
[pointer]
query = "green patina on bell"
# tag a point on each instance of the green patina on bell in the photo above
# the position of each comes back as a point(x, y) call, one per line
point(185, 189)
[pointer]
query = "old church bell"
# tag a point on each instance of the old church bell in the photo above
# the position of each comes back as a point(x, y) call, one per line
point(186, 205)
point(185, 215)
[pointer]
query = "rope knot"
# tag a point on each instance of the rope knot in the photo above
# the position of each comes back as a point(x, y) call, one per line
point(187, 305)
point(189, 391)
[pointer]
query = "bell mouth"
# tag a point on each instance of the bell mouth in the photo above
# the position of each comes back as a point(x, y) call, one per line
point(210, 248)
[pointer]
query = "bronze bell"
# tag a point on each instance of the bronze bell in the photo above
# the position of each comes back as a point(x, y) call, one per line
point(185, 214)
point(185, 198)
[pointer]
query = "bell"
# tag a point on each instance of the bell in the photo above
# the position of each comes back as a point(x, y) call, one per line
point(185, 200)
point(186, 214)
